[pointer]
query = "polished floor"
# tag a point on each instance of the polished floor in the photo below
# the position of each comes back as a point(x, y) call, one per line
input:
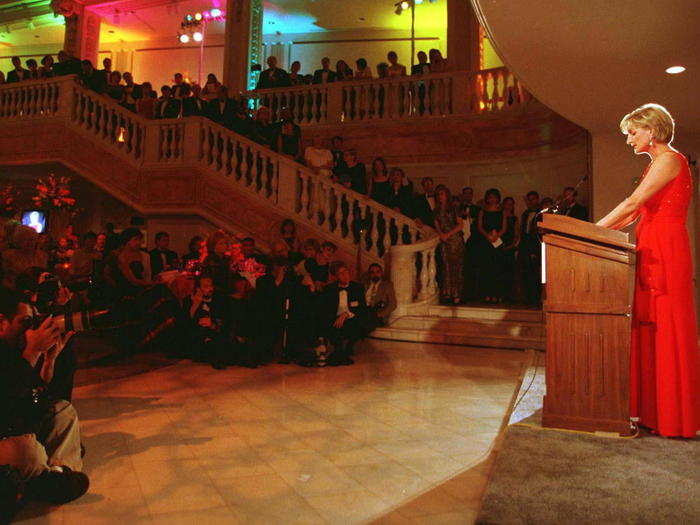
point(406, 435)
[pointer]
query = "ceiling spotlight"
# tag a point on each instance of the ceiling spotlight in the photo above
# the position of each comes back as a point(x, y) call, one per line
point(197, 36)
point(405, 5)
point(418, 2)
point(674, 70)
point(198, 16)
point(206, 14)
point(184, 38)
point(216, 12)
point(188, 18)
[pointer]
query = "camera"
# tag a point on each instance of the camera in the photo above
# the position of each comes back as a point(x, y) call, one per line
point(76, 321)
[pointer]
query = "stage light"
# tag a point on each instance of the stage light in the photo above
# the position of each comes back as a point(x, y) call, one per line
point(418, 2)
point(188, 18)
point(184, 39)
point(216, 12)
point(206, 14)
point(675, 70)
point(405, 5)
point(197, 36)
point(198, 16)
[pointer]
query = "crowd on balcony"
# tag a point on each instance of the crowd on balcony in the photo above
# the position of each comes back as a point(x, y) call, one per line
point(276, 77)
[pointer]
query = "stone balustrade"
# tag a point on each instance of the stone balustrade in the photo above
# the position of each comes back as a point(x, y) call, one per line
point(352, 220)
point(410, 97)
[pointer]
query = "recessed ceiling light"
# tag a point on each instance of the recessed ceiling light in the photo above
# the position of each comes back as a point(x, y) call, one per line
point(674, 70)
point(111, 31)
point(362, 19)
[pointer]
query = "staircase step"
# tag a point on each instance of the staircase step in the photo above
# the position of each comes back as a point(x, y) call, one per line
point(458, 338)
point(476, 327)
point(487, 312)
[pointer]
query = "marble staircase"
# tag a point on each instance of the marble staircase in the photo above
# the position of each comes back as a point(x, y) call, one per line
point(482, 326)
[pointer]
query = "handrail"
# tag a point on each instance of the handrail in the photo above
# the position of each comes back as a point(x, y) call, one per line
point(432, 95)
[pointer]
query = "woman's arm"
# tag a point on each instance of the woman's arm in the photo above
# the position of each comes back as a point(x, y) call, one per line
point(662, 171)
point(458, 228)
point(504, 225)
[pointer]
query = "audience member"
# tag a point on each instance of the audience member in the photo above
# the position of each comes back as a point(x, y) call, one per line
point(511, 240)
point(422, 67)
point(32, 71)
point(46, 69)
point(379, 295)
point(343, 71)
point(353, 174)
point(400, 197)
point(146, 104)
point(437, 63)
point(82, 263)
point(133, 276)
point(211, 88)
point(194, 251)
point(106, 70)
point(273, 77)
point(395, 69)
point(67, 65)
point(216, 263)
point(115, 88)
point(207, 311)
point(570, 207)
point(18, 74)
point(288, 234)
point(529, 252)
point(288, 136)
point(379, 186)
point(179, 84)
point(222, 109)
point(319, 159)
point(342, 315)
point(449, 225)
point(195, 105)
point(132, 92)
point(325, 74)
point(163, 258)
point(363, 71)
point(491, 225)
point(424, 205)
point(295, 78)
point(264, 131)
point(166, 106)
point(337, 152)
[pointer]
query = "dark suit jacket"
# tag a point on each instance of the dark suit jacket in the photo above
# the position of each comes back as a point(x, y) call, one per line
point(168, 108)
point(577, 211)
point(423, 211)
point(157, 260)
point(17, 76)
point(194, 107)
point(403, 200)
point(420, 69)
point(385, 294)
point(267, 80)
point(318, 76)
point(328, 306)
point(223, 116)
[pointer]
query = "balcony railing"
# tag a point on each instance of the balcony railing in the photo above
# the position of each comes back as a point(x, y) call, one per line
point(351, 219)
point(411, 97)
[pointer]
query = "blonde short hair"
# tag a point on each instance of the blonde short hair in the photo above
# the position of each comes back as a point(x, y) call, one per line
point(653, 117)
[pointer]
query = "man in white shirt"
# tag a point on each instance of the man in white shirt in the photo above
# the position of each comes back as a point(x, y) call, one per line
point(379, 295)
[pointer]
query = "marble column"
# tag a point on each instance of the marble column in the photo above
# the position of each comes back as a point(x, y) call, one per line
point(243, 43)
point(82, 34)
point(464, 46)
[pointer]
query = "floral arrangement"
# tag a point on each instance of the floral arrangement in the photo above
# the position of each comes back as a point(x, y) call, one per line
point(54, 192)
point(8, 200)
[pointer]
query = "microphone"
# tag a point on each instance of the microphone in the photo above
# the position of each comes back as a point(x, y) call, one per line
point(555, 207)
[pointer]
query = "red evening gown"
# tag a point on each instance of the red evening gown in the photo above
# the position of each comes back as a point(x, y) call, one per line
point(665, 368)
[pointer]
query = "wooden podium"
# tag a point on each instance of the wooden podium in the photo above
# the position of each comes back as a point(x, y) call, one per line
point(588, 272)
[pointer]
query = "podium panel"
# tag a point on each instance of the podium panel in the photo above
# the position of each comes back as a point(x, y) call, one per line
point(587, 313)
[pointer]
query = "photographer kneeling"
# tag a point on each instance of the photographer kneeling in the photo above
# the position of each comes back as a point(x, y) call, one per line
point(39, 435)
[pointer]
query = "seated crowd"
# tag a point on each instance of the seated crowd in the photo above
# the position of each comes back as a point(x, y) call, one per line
point(225, 302)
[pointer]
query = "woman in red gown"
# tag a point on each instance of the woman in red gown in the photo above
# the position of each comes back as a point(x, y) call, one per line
point(665, 368)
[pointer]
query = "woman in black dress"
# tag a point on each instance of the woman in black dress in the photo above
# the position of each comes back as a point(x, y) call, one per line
point(491, 225)
point(380, 188)
point(217, 264)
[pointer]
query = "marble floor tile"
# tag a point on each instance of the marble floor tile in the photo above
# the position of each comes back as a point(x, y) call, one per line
point(403, 436)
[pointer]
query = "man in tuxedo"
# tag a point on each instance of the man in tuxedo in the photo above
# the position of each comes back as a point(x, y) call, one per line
point(194, 105)
point(273, 76)
point(90, 79)
point(222, 109)
point(166, 105)
point(338, 155)
point(105, 71)
point(529, 254)
point(425, 203)
point(422, 67)
point(325, 75)
point(570, 207)
point(162, 258)
point(178, 86)
point(67, 65)
point(380, 296)
point(18, 74)
point(342, 314)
